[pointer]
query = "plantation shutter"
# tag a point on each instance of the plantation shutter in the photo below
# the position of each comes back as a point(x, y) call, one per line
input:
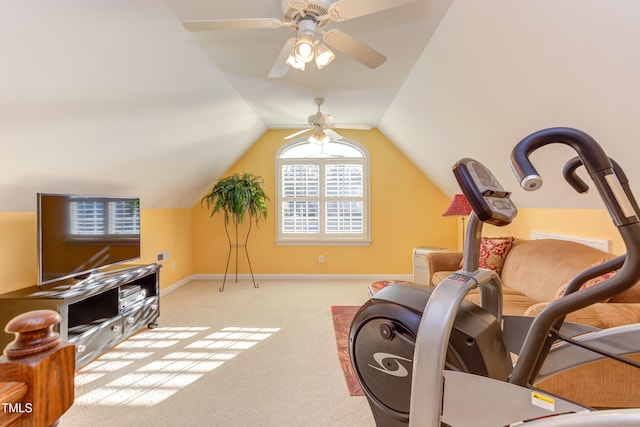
point(344, 190)
point(301, 198)
point(322, 194)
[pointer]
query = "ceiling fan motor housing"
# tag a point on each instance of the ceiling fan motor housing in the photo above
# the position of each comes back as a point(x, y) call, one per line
point(294, 10)
point(320, 119)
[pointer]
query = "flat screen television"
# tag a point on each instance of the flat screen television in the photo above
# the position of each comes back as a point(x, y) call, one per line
point(78, 234)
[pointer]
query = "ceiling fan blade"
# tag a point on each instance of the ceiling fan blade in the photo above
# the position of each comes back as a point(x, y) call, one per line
point(300, 132)
point(359, 51)
point(287, 126)
point(280, 67)
point(351, 126)
point(231, 24)
point(349, 9)
point(335, 136)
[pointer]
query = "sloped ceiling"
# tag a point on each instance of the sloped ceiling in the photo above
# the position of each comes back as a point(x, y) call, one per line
point(498, 70)
point(112, 98)
point(353, 93)
point(115, 97)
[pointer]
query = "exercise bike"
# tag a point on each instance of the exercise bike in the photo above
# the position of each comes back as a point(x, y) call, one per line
point(425, 356)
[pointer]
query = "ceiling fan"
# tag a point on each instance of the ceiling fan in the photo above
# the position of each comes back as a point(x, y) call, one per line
point(309, 18)
point(322, 126)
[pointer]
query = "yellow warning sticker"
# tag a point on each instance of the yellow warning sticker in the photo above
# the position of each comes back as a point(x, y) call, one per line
point(542, 401)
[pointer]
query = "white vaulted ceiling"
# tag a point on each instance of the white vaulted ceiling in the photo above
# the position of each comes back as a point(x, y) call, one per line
point(116, 97)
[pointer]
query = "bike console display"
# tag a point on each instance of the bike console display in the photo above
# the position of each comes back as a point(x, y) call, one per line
point(490, 202)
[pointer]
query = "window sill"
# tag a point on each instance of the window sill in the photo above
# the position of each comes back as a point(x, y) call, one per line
point(322, 242)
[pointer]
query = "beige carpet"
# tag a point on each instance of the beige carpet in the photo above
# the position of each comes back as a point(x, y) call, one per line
point(243, 357)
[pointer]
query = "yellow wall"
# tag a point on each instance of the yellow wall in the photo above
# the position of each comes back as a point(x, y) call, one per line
point(18, 250)
point(162, 230)
point(406, 211)
point(167, 230)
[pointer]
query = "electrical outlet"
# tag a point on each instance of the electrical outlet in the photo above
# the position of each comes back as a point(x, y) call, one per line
point(320, 259)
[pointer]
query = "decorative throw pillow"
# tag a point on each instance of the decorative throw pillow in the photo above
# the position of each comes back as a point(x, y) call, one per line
point(588, 283)
point(493, 251)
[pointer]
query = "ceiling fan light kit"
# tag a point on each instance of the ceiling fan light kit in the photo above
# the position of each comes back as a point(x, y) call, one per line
point(308, 18)
point(307, 50)
point(304, 50)
point(324, 56)
point(319, 138)
point(294, 62)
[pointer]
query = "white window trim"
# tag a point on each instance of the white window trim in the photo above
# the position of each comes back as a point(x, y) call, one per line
point(323, 239)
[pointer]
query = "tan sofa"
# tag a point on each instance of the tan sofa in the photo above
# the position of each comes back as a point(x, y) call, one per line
point(532, 273)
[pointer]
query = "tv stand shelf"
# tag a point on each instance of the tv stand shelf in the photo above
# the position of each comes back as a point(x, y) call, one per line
point(97, 312)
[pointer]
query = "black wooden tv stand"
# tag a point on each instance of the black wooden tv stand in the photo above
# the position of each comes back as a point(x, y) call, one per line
point(97, 312)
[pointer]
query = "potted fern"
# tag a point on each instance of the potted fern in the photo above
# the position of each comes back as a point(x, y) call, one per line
point(237, 196)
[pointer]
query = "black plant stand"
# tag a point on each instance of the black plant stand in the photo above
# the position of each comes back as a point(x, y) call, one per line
point(236, 246)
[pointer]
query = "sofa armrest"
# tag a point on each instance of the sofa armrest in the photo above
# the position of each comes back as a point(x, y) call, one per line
point(442, 261)
point(600, 315)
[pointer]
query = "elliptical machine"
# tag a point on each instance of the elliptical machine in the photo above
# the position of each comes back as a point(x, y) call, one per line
point(427, 357)
point(383, 333)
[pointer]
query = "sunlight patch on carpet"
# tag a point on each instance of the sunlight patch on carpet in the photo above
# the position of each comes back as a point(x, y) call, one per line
point(149, 383)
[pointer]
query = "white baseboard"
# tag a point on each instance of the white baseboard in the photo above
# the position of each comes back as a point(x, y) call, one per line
point(175, 286)
point(301, 277)
point(372, 277)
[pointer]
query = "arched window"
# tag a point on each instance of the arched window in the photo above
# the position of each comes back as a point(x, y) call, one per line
point(322, 193)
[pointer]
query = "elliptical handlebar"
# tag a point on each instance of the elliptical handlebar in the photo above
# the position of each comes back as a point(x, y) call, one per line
point(592, 156)
point(617, 198)
point(570, 175)
point(587, 148)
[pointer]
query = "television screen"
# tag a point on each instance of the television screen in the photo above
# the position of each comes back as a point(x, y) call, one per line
point(80, 234)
